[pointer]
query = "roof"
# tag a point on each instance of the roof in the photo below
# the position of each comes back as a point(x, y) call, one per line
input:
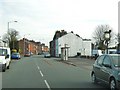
point(73, 34)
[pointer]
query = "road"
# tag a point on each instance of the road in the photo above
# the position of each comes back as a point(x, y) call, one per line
point(39, 72)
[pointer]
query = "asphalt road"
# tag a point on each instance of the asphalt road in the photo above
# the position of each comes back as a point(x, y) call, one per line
point(39, 72)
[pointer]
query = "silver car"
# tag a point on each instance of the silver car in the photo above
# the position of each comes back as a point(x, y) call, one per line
point(107, 69)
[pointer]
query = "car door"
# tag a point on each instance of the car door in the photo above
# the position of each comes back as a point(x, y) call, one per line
point(105, 70)
point(6, 57)
point(98, 65)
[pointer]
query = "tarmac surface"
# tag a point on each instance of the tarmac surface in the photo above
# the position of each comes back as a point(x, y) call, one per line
point(79, 62)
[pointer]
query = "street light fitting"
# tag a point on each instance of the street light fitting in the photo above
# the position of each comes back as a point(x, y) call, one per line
point(15, 21)
point(107, 35)
point(12, 21)
point(110, 31)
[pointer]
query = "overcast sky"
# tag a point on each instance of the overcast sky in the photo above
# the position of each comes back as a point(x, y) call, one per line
point(39, 19)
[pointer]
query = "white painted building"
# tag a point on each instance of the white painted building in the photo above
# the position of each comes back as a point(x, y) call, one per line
point(75, 43)
point(87, 47)
point(3, 44)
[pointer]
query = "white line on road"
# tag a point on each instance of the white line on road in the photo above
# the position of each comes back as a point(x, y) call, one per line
point(39, 70)
point(47, 84)
point(42, 76)
point(41, 73)
point(38, 67)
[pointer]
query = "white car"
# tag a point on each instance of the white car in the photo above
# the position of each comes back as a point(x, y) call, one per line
point(47, 55)
point(5, 58)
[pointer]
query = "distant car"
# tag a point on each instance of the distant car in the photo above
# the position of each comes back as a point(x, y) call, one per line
point(107, 69)
point(15, 56)
point(31, 53)
point(27, 54)
point(39, 53)
point(47, 55)
point(118, 52)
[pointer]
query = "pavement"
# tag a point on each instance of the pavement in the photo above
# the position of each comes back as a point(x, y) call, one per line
point(79, 62)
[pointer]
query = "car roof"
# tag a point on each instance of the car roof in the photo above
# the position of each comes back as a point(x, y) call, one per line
point(112, 54)
point(15, 53)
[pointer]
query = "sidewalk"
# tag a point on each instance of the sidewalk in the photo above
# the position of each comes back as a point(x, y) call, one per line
point(79, 62)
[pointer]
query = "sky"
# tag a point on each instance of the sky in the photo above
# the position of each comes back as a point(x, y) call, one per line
point(39, 19)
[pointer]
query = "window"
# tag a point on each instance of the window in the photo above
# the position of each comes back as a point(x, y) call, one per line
point(106, 61)
point(100, 60)
point(116, 61)
point(3, 52)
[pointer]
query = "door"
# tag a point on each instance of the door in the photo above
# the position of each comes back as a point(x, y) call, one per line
point(98, 66)
point(105, 70)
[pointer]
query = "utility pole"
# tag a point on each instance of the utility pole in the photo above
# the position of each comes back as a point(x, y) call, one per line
point(8, 25)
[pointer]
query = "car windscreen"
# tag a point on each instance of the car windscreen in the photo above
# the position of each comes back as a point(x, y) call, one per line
point(27, 53)
point(15, 54)
point(3, 52)
point(116, 61)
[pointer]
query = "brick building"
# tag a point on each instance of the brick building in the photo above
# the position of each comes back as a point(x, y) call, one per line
point(44, 48)
point(23, 45)
point(26, 45)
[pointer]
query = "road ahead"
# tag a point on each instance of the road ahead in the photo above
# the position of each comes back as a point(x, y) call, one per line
point(39, 72)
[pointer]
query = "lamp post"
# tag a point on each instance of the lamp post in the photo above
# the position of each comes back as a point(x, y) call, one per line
point(107, 37)
point(8, 29)
point(9, 23)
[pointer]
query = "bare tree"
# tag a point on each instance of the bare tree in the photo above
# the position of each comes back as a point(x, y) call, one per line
point(11, 38)
point(118, 37)
point(118, 40)
point(98, 35)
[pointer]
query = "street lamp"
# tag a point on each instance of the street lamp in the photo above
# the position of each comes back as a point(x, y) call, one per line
point(10, 22)
point(8, 29)
point(107, 37)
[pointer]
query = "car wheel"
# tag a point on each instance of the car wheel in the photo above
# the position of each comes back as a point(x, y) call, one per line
point(4, 70)
point(112, 84)
point(8, 67)
point(93, 77)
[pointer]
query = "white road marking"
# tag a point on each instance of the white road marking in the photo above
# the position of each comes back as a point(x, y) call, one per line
point(47, 84)
point(42, 76)
point(38, 67)
point(39, 70)
point(41, 73)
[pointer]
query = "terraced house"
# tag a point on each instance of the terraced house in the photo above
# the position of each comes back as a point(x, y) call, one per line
point(31, 46)
point(76, 44)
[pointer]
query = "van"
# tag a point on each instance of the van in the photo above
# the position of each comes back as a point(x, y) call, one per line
point(5, 58)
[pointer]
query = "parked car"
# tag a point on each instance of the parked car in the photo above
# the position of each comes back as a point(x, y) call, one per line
point(27, 54)
point(118, 52)
point(107, 69)
point(47, 55)
point(15, 56)
point(39, 53)
point(5, 58)
point(31, 53)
